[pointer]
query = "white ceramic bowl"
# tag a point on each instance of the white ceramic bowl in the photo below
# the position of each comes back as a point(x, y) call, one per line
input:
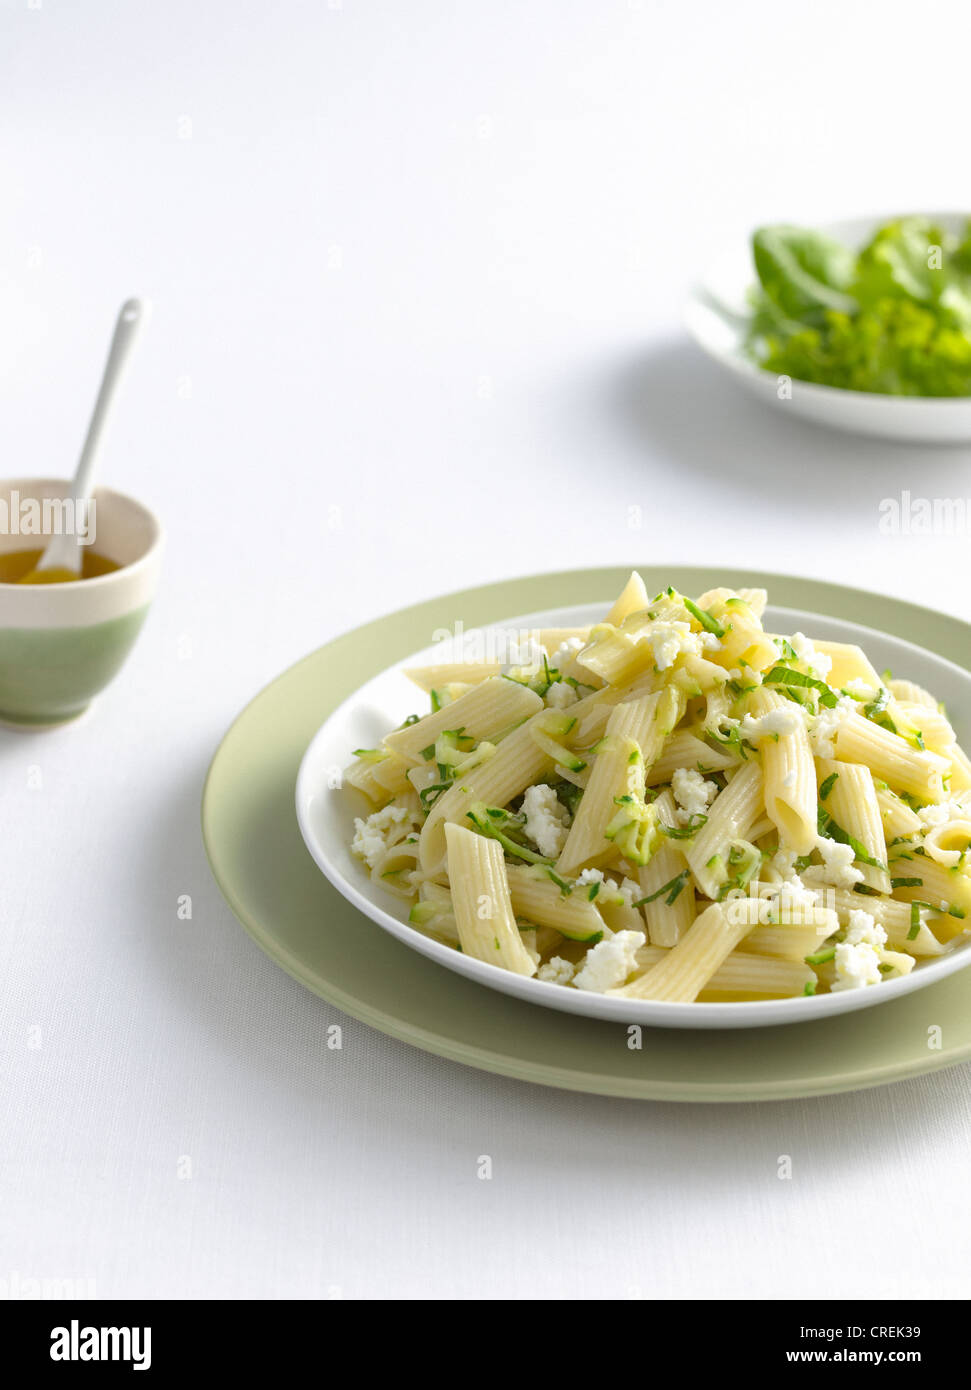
point(326, 817)
point(929, 420)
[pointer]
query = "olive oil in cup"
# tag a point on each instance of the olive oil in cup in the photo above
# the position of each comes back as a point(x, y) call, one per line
point(61, 643)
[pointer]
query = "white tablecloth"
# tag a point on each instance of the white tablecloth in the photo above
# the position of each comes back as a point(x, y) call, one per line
point(417, 272)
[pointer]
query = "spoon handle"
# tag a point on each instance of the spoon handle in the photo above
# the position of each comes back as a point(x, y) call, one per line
point(131, 317)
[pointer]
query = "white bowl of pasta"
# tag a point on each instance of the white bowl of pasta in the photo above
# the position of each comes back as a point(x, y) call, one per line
point(676, 813)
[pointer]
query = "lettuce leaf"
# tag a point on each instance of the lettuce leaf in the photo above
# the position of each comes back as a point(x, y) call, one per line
point(894, 319)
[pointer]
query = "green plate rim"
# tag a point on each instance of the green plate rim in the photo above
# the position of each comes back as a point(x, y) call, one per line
point(486, 1059)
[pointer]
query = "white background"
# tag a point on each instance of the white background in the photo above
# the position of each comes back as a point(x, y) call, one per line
point(417, 271)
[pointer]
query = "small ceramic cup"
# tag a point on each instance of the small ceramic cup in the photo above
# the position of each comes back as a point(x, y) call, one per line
point(60, 644)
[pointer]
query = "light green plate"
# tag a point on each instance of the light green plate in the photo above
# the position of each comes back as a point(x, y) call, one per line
point(300, 921)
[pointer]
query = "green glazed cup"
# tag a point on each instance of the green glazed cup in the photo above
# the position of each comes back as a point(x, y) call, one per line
point(61, 644)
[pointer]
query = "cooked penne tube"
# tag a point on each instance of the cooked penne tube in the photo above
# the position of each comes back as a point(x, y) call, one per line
point(685, 749)
point(484, 917)
point(898, 818)
point(429, 678)
point(850, 663)
point(517, 763)
point(890, 758)
point(756, 600)
point(432, 914)
point(379, 778)
point(665, 882)
point(687, 967)
point(731, 817)
point(616, 654)
point(539, 899)
point(933, 726)
point(959, 777)
point(593, 711)
point(851, 801)
point(791, 943)
point(948, 844)
point(909, 693)
point(486, 710)
point(894, 916)
point(745, 976)
point(632, 599)
point(789, 776)
point(745, 644)
point(552, 638)
point(635, 735)
point(921, 879)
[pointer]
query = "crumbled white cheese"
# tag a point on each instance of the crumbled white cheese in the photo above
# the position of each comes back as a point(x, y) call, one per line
point(524, 657)
point(789, 781)
point(818, 662)
point(837, 867)
point(794, 894)
point(860, 688)
point(556, 971)
point(608, 964)
point(566, 651)
point(784, 862)
point(588, 876)
point(856, 966)
point(560, 695)
point(629, 891)
point(692, 793)
point(775, 722)
point(864, 931)
point(668, 639)
point(932, 816)
point(376, 834)
point(826, 726)
point(547, 819)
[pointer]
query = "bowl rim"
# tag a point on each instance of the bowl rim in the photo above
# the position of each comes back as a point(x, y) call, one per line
point(155, 545)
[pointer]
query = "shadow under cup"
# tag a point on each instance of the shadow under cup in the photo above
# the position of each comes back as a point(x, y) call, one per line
point(61, 644)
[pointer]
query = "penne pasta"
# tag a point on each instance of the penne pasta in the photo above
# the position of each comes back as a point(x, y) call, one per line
point(429, 678)
point(851, 801)
point(669, 906)
point(674, 805)
point(635, 735)
point(909, 693)
point(517, 763)
point(891, 758)
point(632, 599)
point(484, 916)
point(898, 818)
point(684, 749)
point(539, 899)
point(686, 968)
point(789, 776)
point(745, 976)
point(488, 709)
point(732, 815)
point(959, 776)
point(849, 663)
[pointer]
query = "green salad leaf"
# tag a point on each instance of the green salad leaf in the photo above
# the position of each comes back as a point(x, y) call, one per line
point(803, 272)
point(894, 318)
